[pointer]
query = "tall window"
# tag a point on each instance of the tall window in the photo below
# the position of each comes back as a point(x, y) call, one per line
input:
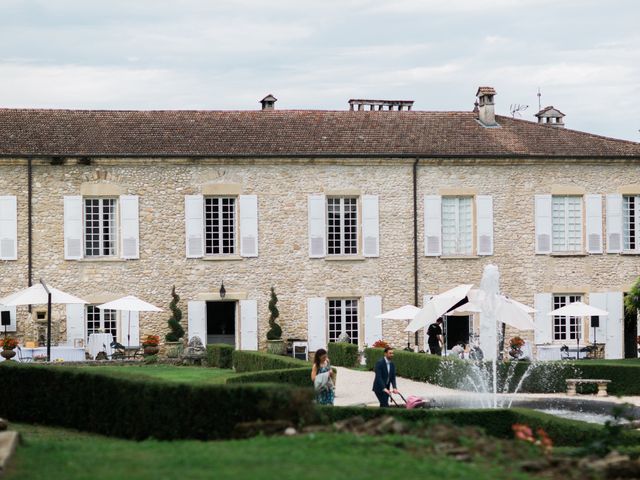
point(457, 226)
point(101, 321)
point(566, 328)
point(343, 318)
point(630, 211)
point(100, 227)
point(342, 225)
point(220, 225)
point(567, 223)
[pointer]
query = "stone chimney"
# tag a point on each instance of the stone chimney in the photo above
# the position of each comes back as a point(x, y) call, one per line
point(551, 116)
point(269, 102)
point(371, 104)
point(486, 110)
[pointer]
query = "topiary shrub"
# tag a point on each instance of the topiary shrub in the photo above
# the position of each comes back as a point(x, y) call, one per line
point(343, 354)
point(275, 332)
point(177, 332)
point(220, 355)
point(249, 361)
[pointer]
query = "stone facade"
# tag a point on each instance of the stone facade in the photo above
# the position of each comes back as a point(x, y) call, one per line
point(282, 187)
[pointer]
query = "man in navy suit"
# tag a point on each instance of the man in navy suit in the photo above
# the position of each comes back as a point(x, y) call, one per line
point(385, 378)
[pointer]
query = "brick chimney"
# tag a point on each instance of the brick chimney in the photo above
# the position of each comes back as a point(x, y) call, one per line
point(486, 111)
point(551, 116)
point(269, 102)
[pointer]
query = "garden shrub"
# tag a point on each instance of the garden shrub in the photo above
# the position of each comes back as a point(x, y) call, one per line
point(293, 376)
point(250, 361)
point(220, 355)
point(137, 409)
point(343, 354)
point(495, 422)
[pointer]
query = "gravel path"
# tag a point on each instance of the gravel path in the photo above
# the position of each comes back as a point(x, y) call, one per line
point(354, 388)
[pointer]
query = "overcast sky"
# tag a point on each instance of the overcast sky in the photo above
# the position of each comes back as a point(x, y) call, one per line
point(227, 54)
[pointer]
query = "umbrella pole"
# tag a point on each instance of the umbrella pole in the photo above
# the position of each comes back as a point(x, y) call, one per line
point(44, 285)
point(578, 339)
point(129, 328)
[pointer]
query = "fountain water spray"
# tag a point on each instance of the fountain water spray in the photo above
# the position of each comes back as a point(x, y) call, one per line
point(489, 332)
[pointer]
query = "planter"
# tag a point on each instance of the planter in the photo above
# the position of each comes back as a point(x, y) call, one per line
point(173, 349)
point(8, 353)
point(151, 350)
point(276, 347)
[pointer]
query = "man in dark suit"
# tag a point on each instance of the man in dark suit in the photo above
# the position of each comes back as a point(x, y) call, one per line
point(385, 378)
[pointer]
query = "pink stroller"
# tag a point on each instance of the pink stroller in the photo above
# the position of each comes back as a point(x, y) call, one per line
point(409, 403)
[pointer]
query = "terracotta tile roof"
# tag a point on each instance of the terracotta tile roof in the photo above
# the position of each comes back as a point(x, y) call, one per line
point(289, 132)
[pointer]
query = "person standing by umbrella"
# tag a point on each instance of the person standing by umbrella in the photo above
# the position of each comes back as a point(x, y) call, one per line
point(435, 340)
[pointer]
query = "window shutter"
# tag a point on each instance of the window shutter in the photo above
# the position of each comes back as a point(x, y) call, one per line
point(8, 228)
point(543, 224)
point(317, 323)
point(611, 330)
point(12, 327)
point(249, 226)
point(130, 328)
point(194, 225)
point(75, 323)
point(372, 325)
point(197, 320)
point(484, 209)
point(248, 325)
point(370, 226)
point(614, 223)
point(543, 325)
point(317, 226)
point(73, 227)
point(432, 225)
point(593, 207)
point(129, 226)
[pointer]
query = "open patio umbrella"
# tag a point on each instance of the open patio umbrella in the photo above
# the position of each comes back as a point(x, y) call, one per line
point(508, 310)
point(578, 309)
point(438, 306)
point(129, 304)
point(408, 312)
point(41, 294)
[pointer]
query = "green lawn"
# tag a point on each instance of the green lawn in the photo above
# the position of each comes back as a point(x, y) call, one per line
point(171, 373)
point(49, 454)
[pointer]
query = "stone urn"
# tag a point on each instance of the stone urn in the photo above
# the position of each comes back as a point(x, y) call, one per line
point(151, 350)
point(276, 347)
point(8, 353)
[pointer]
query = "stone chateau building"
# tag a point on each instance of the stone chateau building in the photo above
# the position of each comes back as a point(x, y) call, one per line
point(346, 213)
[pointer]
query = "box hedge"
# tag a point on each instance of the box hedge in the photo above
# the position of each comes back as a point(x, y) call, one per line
point(220, 355)
point(495, 422)
point(136, 409)
point(343, 354)
point(251, 361)
point(292, 376)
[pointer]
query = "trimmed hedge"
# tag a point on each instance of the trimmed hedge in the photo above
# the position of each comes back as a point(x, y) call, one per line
point(343, 354)
point(134, 409)
point(220, 355)
point(495, 422)
point(292, 376)
point(250, 361)
point(546, 377)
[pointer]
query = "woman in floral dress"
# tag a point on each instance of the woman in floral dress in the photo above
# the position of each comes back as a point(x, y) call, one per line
point(323, 378)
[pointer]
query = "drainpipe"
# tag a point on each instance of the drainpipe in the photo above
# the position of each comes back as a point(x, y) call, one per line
point(29, 222)
point(415, 237)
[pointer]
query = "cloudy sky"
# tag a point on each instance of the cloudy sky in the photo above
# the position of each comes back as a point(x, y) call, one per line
point(584, 55)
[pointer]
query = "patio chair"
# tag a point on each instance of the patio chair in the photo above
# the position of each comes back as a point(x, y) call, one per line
point(22, 358)
point(119, 352)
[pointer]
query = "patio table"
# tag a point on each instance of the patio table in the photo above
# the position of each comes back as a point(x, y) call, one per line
point(100, 342)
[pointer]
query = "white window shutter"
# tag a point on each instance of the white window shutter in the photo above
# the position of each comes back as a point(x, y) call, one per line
point(130, 328)
point(73, 227)
point(432, 225)
point(194, 225)
point(484, 209)
point(614, 348)
point(543, 224)
point(197, 320)
point(598, 300)
point(317, 323)
point(129, 226)
point(614, 223)
point(249, 226)
point(317, 206)
point(8, 228)
point(372, 325)
point(593, 207)
point(370, 226)
point(543, 323)
point(248, 325)
point(76, 323)
point(12, 327)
